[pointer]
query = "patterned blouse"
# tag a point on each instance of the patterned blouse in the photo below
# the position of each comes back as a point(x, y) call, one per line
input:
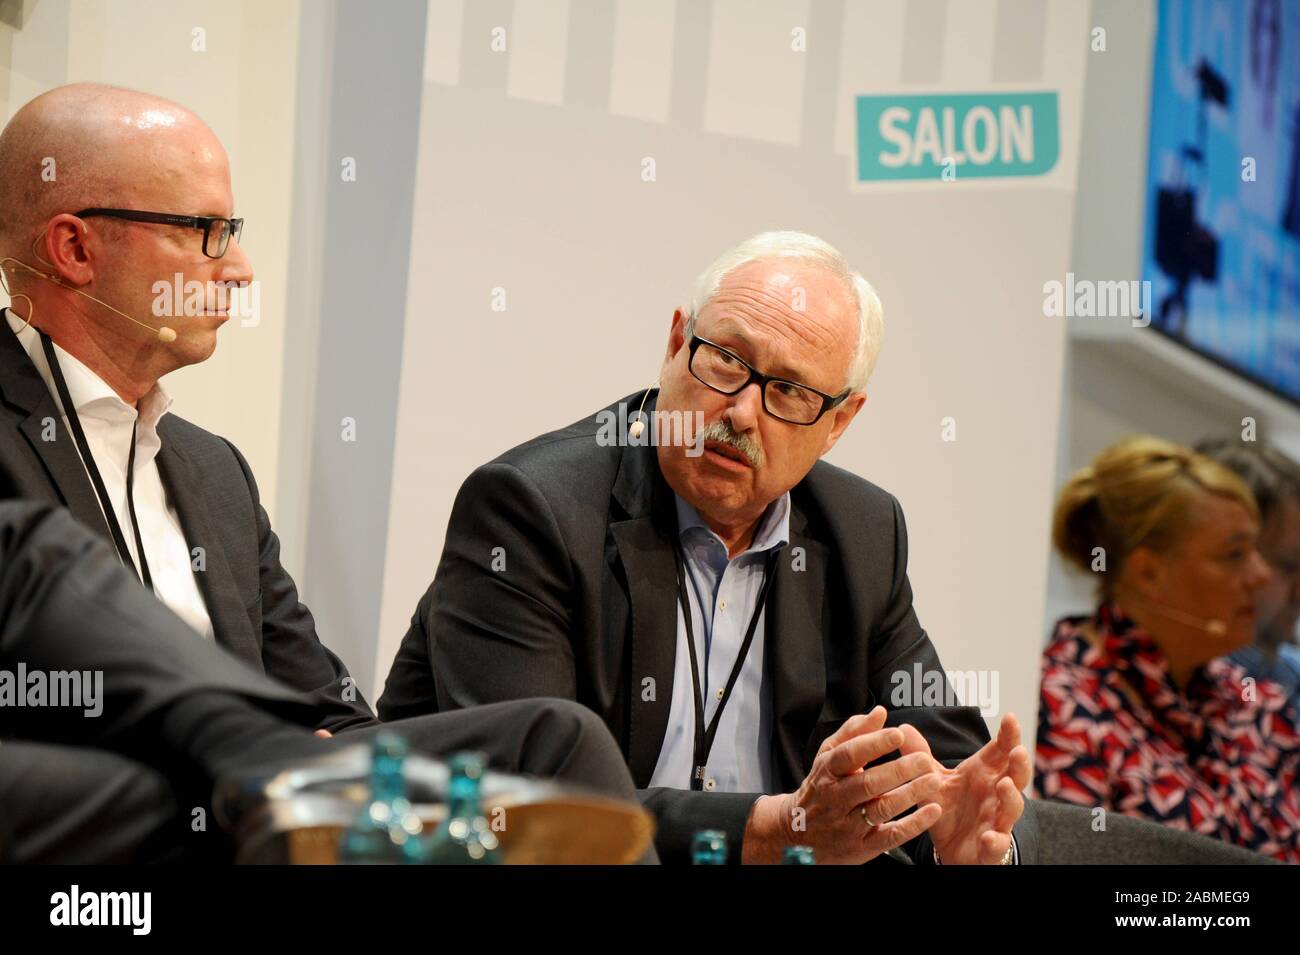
point(1114, 731)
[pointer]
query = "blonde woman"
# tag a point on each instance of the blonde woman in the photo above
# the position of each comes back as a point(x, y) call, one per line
point(1139, 713)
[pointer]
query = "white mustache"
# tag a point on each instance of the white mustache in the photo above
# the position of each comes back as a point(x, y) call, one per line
point(723, 433)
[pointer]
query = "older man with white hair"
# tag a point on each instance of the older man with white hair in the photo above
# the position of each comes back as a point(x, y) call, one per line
point(736, 610)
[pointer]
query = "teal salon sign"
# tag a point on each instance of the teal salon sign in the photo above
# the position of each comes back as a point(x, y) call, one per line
point(956, 136)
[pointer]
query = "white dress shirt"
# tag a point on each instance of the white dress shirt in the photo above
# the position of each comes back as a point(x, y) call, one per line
point(107, 421)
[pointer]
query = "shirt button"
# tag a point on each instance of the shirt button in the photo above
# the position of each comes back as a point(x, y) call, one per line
point(723, 605)
point(721, 691)
point(710, 785)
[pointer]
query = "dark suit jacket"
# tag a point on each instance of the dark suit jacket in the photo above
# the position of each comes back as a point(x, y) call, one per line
point(251, 599)
point(585, 609)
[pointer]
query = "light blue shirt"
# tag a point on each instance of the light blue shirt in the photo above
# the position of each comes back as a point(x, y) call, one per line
point(723, 594)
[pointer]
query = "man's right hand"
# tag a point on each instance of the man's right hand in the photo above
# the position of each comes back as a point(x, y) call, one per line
point(826, 812)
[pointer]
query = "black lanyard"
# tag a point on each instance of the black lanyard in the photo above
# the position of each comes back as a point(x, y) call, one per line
point(124, 552)
point(704, 736)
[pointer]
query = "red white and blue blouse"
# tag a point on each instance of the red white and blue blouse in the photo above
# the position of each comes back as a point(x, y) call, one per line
point(1220, 757)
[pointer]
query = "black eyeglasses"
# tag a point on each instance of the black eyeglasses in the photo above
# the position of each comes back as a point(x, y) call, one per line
point(728, 373)
point(216, 231)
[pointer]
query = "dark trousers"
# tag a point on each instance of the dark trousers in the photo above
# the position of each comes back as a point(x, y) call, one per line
point(179, 714)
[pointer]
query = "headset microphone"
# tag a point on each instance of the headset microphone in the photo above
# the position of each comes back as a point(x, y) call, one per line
point(638, 426)
point(165, 334)
point(1215, 628)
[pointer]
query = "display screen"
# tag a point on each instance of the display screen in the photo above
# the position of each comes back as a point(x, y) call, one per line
point(1222, 249)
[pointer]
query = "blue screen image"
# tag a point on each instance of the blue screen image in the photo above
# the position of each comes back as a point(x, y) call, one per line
point(1222, 244)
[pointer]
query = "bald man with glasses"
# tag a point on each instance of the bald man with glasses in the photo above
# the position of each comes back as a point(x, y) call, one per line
point(142, 195)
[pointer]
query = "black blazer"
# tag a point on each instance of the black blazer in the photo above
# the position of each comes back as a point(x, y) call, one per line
point(585, 608)
point(251, 599)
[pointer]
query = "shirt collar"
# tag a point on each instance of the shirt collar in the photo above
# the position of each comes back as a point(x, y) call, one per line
point(773, 527)
point(91, 396)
